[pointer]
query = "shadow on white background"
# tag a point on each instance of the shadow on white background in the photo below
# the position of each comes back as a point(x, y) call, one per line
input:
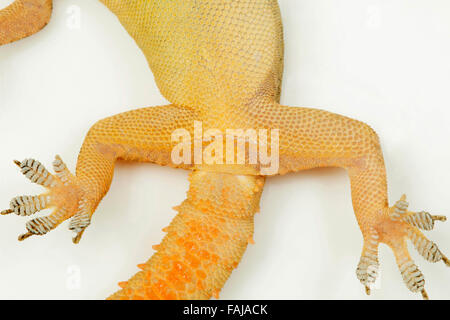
point(385, 63)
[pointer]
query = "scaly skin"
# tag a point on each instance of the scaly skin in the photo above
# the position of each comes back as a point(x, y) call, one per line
point(218, 62)
point(23, 18)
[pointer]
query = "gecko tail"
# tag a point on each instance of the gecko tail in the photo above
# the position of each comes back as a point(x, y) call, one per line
point(204, 242)
point(22, 18)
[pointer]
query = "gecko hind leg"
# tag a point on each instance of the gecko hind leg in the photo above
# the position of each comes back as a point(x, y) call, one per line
point(64, 195)
point(407, 225)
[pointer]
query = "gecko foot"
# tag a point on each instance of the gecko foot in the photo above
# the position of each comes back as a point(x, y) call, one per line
point(398, 226)
point(64, 195)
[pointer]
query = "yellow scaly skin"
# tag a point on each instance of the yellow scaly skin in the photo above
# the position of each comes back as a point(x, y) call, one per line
point(219, 62)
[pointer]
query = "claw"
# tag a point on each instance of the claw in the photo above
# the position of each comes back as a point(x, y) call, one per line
point(77, 238)
point(6, 212)
point(425, 295)
point(446, 260)
point(25, 236)
point(439, 218)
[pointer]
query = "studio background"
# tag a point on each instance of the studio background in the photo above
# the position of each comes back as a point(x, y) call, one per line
point(382, 62)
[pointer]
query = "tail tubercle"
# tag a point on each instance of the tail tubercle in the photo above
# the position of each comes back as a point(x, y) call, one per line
point(204, 242)
point(23, 18)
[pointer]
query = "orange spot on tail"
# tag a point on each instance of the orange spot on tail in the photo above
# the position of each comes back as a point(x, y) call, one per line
point(123, 284)
point(201, 274)
point(156, 247)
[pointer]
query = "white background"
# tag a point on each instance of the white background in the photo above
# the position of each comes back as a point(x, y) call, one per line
point(382, 62)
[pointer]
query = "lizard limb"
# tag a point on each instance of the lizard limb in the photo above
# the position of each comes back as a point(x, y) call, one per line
point(311, 138)
point(204, 55)
point(141, 135)
point(23, 18)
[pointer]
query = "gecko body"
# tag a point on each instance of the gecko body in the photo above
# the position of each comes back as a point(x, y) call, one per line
point(219, 63)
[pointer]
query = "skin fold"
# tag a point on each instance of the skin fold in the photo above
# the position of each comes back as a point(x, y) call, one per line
point(218, 62)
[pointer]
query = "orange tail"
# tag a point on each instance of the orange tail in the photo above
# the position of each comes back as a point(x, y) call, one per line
point(23, 18)
point(205, 241)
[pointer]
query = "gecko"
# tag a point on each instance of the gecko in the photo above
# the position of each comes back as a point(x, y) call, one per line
point(218, 63)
